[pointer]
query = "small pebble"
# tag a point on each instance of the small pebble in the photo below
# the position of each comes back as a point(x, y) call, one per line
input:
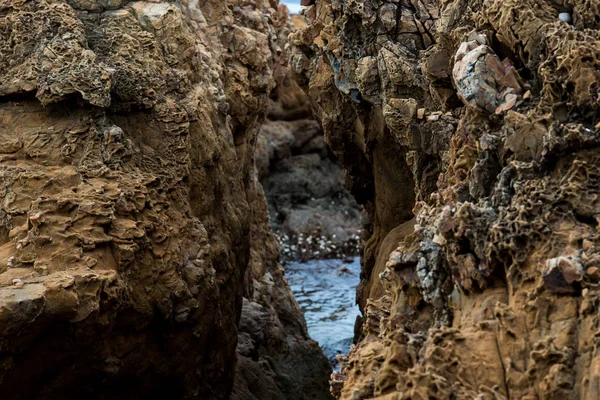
point(564, 17)
point(18, 282)
point(594, 274)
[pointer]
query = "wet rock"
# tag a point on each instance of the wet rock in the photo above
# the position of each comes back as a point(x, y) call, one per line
point(311, 212)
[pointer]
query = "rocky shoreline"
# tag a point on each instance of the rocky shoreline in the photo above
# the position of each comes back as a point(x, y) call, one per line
point(159, 160)
point(317, 247)
point(136, 258)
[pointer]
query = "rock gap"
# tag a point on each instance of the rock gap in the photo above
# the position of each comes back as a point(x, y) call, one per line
point(316, 220)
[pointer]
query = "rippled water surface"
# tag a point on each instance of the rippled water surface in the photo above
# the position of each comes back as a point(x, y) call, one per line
point(326, 290)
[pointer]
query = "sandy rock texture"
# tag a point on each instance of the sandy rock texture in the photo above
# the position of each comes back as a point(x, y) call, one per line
point(469, 130)
point(132, 223)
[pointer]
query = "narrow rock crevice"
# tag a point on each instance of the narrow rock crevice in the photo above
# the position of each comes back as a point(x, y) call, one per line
point(160, 161)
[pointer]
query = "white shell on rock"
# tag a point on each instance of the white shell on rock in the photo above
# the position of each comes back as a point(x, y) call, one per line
point(564, 17)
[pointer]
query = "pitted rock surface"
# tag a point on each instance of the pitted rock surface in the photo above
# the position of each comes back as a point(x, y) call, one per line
point(469, 131)
point(132, 223)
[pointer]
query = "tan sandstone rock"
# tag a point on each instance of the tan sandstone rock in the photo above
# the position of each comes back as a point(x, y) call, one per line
point(130, 210)
point(493, 294)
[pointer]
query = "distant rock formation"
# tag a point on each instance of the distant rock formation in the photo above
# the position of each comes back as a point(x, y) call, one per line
point(312, 213)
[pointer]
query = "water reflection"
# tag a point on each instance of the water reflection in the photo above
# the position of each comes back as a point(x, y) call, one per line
point(325, 290)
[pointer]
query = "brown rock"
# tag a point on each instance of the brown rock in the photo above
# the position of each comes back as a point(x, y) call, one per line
point(131, 222)
point(560, 274)
point(594, 273)
point(485, 299)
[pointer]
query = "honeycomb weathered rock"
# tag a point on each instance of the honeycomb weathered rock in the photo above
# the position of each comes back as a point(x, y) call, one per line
point(132, 223)
point(494, 294)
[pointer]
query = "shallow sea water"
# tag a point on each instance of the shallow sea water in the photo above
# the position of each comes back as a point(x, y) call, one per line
point(326, 291)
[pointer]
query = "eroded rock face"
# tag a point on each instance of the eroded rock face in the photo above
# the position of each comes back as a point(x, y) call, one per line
point(479, 119)
point(131, 209)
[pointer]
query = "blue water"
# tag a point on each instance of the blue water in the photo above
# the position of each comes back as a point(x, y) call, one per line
point(326, 291)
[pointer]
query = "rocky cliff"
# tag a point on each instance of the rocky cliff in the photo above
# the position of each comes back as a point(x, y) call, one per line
point(133, 231)
point(469, 131)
